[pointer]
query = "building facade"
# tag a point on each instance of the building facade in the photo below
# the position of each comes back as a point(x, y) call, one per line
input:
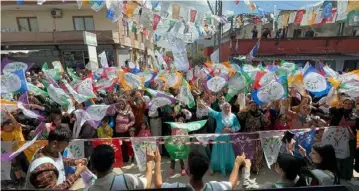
point(54, 31)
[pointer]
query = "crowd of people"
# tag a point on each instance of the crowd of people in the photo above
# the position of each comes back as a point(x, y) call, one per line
point(128, 116)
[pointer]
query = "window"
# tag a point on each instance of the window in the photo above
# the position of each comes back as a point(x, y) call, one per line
point(27, 24)
point(142, 40)
point(85, 23)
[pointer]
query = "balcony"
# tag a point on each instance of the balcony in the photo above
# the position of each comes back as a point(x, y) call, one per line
point(54, 38)
point(294, 47)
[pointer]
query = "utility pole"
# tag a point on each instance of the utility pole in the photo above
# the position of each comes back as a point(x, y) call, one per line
point(218, 36)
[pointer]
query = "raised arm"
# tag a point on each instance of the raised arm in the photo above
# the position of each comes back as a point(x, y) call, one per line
point(158, 174)
point(233, 178)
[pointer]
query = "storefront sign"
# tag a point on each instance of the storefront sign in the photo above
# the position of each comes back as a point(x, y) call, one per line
point(93, 62)
point(90, 39)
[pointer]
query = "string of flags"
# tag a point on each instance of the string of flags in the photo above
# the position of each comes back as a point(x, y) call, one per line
point(179, 146)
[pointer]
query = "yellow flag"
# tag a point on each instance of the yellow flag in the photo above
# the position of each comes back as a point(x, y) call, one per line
point(175, 11)
point(353, 5)
point(130, 8)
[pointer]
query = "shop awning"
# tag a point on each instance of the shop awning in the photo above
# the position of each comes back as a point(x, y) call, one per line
point(18, 51)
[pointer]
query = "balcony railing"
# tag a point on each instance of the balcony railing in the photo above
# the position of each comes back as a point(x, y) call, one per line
point(63, 37)
point(302, 46)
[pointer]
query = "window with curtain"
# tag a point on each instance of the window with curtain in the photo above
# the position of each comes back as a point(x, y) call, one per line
point(27, 24)
point(84, 23)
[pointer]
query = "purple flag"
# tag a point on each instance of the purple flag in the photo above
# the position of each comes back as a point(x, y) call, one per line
point(24, 98)
point(245, 142)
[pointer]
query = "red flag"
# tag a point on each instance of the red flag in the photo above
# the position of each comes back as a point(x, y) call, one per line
point(193, 15)
point(156, 20)
point(299, 17)
point(115, 144)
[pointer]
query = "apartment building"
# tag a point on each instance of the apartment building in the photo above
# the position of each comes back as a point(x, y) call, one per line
point(54, 31)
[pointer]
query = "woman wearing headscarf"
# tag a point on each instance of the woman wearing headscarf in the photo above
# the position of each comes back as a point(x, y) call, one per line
point(254, 120)
point(222, 157)
point(300, 117)
point(124, 120)
point(344, 116)
point(138, 105)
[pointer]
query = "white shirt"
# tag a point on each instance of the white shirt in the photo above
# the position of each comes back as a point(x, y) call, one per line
point(210, 186)
point(115, 181)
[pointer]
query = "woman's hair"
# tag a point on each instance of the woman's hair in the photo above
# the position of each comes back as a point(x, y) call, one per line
point(288, 136)
point(329, 160)
point(290, 165)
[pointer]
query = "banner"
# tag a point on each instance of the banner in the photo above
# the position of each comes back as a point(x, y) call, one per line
point(97, 112)
point(57, 65)
point(14, 82)
point(193, 14)
point(79, 98)
point(245, 142)
point(6, 147)
point(315, 82)
point(185, 94)
point(175, 11)
point(176, 147)
point(156, 20)
point(299, 17)
point(190, 126)
point(140, 146)
point(292, 17)
point(338, 137)
point(216, 84)
point(271, 144)
point(327, 9)
point(14, 66)
point(29, 113)
point(215, 56)
point(115, 144)
point(75, 150)
point(85, 88)
point(131, 81)
point(164, 9)
point(179, 53)
point(305, 139)
point(103, 60)
point(275, 90)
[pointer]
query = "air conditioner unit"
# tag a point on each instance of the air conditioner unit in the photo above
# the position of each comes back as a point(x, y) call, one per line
point(56, 13)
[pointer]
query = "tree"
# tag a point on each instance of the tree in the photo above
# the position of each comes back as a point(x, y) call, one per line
point(198, 59)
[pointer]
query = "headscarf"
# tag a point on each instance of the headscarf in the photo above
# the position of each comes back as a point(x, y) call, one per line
point(127, 108)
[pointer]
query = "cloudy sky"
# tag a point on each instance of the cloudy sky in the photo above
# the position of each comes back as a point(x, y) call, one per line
point(267, 5)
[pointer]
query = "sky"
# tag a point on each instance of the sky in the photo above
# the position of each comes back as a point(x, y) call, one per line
point(266, 5)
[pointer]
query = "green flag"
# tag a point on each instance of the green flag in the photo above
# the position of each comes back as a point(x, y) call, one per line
point(54, 74)
point(35, 90)
point(185, 94)
point(190, 126)
point(176, 147)
point(237, 83)
point(134, 29)
point(72, 74)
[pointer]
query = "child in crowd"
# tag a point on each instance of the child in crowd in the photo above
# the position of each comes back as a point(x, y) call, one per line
point(281, 123)
point(145, 130)
point(11, 131)
point(130, 152)
point(180, 118)
point(105, 131)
